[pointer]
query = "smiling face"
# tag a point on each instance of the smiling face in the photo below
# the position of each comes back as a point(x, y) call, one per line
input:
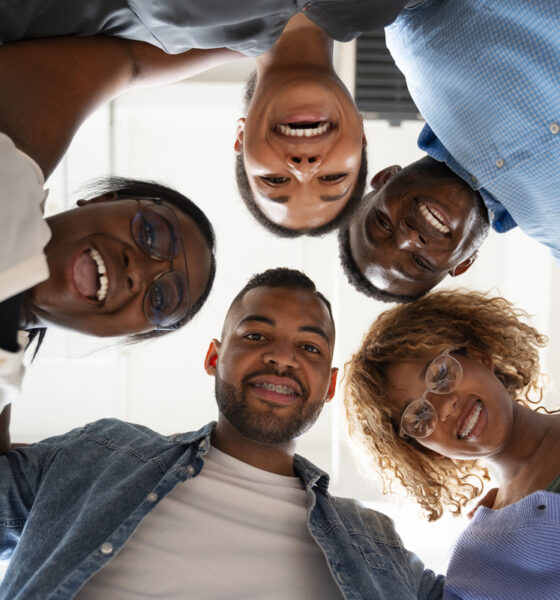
point(418, 225)
point(98, 273)
point(302, 147)
point(273, 365)
point(475, 420)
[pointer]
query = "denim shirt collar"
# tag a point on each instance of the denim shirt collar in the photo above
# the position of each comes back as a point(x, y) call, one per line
point(303, 468)
point(310, 474)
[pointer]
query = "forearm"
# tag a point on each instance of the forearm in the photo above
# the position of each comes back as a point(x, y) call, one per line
point(49, 86)
point(152, 66)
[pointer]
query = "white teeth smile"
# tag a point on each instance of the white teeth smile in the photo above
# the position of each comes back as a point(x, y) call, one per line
point(102, 273)
point(472, 421)
point(279, 389)
point(291, 131)
point(434, 218)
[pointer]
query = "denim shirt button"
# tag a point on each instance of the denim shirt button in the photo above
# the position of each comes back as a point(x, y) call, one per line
point(152, 497)
point(190, 470)
point(106, 548)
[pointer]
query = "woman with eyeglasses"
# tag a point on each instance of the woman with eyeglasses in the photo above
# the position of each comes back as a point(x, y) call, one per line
point(136, 259)
point(440, 390)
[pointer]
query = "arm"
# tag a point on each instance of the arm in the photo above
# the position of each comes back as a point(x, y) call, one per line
point(49, 86)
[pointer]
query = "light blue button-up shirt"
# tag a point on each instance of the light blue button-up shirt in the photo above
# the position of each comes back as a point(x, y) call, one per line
point(485, 75)
point(69, 503)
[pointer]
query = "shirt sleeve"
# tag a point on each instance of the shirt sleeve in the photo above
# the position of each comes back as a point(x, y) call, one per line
point(22, 471)
point(23, 231)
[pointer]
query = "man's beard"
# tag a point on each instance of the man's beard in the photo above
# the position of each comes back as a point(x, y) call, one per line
point(267, 426)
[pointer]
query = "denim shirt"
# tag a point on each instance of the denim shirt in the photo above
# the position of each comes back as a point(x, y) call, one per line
point(69, 503)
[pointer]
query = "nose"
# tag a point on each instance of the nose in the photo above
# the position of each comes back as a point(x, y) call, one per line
point(446, 404)
point(281, 356)
point(140, 269)
point(302, 163)
point(409, 237)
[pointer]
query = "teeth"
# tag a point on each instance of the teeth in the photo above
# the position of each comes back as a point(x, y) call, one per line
point(302, 131)
point(432, 219)
point(102, 273)
point(469, 425)
point(280, 389)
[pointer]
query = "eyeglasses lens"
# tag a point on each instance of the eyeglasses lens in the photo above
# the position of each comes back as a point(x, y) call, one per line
point(153, 231)
point(443, 375)
point(420, 417)
point(167, 299)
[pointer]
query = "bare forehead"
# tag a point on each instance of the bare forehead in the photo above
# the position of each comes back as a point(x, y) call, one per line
point(283, 307)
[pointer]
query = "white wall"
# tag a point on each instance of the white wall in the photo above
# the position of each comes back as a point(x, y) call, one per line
point(182, 135)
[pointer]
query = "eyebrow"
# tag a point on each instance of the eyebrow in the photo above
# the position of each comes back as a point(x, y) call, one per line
point(335, 198)
point(258, 318)
point(303, 328)
point(278, 199)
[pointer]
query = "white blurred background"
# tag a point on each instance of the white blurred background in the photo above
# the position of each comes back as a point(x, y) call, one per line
point(182, 135)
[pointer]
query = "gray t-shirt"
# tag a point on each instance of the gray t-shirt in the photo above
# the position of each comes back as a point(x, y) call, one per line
point(248, 26)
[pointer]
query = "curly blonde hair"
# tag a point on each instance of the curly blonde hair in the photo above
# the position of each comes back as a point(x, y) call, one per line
point(439, 321)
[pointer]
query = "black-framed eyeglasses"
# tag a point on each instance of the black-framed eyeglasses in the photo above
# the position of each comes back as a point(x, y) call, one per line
point(420, 418)
point(156, 231)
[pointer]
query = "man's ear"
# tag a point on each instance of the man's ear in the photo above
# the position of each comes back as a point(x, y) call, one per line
point(332, 384)
point(104, 198)
point(239, 137)
point(463, 266)
point(383, 176)
point(211, 360)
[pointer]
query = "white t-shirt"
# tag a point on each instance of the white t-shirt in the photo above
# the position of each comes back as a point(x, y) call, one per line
point(23, 231)
point(232, 532)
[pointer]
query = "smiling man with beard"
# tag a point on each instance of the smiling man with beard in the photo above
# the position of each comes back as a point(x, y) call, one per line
point(229, 511)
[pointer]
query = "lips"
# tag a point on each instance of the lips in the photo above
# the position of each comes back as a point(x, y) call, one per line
point(310, 129)
point(435, 217)
point(274, 388)
point(90, 275)
point(472, 421)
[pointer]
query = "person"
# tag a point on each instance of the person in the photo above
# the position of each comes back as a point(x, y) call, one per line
point(400, 224)
point(440, 389)
point(298, 93)
point(228, 509)
point(301, 162)
point(491, 111)
point(136, 258)
point(56, 85)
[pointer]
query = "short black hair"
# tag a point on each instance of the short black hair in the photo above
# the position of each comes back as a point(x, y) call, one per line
point(357, 279)
point(247, 195)
point(135, 188)
point(282, 277)
point(343, 216)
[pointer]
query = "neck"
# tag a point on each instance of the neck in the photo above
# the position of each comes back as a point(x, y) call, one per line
point(274, 458)
point(301, 44)
point(530, 450)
